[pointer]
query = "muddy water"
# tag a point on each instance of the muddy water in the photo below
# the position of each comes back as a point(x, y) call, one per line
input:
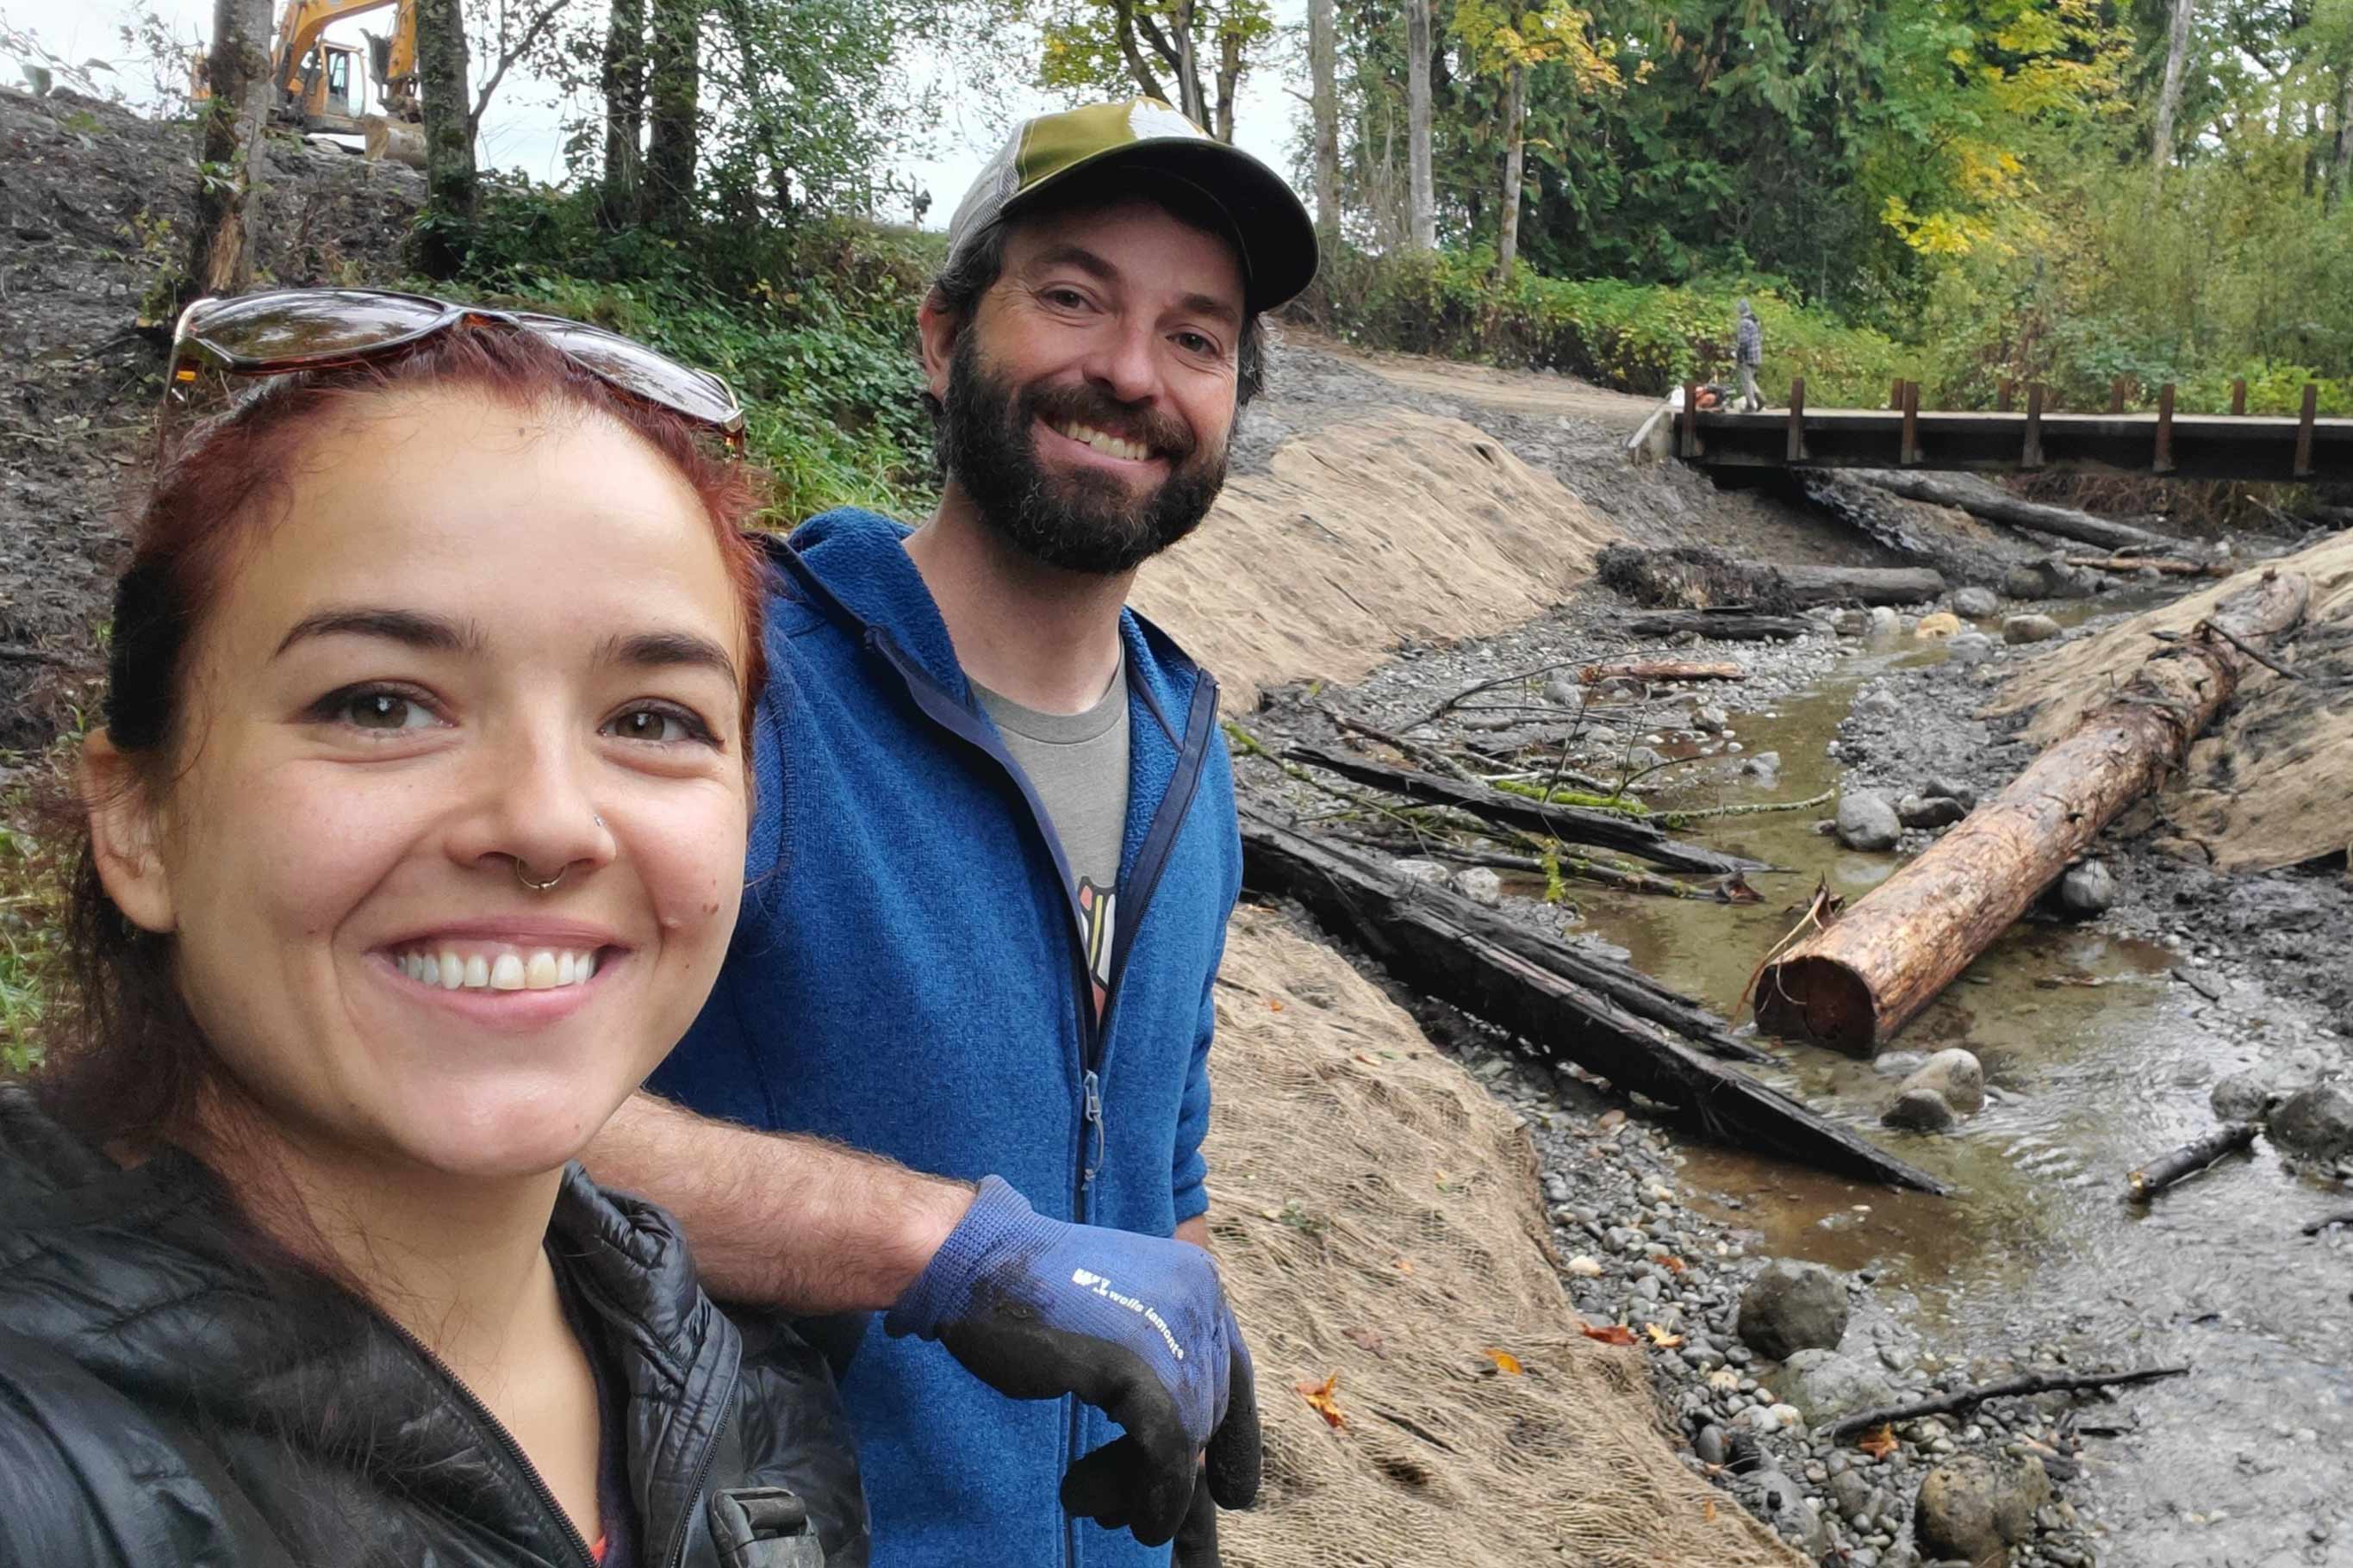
point(2098, 1060)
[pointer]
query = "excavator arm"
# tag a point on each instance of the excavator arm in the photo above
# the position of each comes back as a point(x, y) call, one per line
point(304, 21)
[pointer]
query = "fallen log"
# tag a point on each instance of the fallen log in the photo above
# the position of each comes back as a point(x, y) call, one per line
point(1626, 879)
point(1446, 947)
point(1994, 504)
point(1571, 824)
point(2009, 1388)
point(1662, 669)
point(1854, 984)
point(2152, 563)
point(1686, 576)
point(2180, 1164)
point(1728, 626)
point(1807, 585)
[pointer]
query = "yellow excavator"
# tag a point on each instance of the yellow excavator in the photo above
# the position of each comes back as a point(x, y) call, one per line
point(317, 81)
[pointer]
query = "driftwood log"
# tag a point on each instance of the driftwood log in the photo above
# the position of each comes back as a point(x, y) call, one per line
point(1856, 984)
point(1728, 626)
point(1570, 824)
point(2180, 1164)
point(1446, 947)
point(1686, 576)
point(2009, 1388)
point(1990, 502)
point(2152, 563)
point(1662, 669)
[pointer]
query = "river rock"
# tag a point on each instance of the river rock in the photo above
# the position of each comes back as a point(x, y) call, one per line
point(1975, 1507)
point(1710, 1445)
point(1955, 1076)
point(2316, 1123)
point(1881, 621)
point(1951, 788)
point(2252, 1094)
point(1975, 604)
point(1851, 623)
point(2029, 628)
point(1792, 1307)
point(1942, 624)
point(1764, 767)
point(1919, 1110)
point(1481, 886)
point(1563, 692)
point(1865, 821)
point(2086, 890)
point(1827, 1387)
point(1970, 648)
point(1709, 720)
point(1929, 811)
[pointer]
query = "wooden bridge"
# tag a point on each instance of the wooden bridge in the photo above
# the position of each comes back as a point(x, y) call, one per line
point(2302, 449)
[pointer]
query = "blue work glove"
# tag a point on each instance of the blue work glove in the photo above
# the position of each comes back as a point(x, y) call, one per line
point(1136, 1325)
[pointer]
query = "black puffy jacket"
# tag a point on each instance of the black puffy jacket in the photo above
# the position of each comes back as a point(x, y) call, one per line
point(171, 1396)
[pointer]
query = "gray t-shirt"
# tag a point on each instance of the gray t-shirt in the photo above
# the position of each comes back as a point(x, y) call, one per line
point(1078, 765)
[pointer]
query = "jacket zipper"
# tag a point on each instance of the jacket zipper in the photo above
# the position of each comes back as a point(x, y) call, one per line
point(676, 1558)
point(500, 1436)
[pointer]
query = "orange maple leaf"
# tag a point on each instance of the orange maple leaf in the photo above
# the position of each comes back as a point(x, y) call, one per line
point(1879, 1441)
point(1319, 1399)
point(1611, 1334)
point(1660, 1338)
point(1673, 1265)
point(1505, 1361)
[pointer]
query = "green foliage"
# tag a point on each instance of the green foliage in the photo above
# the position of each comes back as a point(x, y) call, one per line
point(1638, 338)
point(32, 898)
point(813, 326)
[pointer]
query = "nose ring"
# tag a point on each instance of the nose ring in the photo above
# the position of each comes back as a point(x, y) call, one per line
point(522, 875)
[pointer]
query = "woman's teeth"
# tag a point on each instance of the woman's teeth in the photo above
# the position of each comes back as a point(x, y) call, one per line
point(1104, 442)
point(513, 969)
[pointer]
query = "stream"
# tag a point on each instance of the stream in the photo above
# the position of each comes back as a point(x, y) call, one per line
point(2096, 1059)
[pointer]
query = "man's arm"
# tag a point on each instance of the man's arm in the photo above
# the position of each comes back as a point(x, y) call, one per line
point(1196, 1230)
point(796, 1222)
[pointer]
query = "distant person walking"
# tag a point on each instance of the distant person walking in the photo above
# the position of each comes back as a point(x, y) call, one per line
point(1748, 353)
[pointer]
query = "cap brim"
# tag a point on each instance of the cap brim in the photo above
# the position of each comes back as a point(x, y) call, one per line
point(1270, 225)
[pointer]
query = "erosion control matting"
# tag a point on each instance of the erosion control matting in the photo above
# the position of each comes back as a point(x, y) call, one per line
point(1376, 1215)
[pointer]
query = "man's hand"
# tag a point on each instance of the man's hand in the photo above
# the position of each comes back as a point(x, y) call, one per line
point(1134, 1325)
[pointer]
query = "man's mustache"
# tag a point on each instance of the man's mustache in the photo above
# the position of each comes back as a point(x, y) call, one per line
point(1164, 435)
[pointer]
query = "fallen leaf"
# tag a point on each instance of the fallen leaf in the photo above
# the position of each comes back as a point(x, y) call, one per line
point(1660, 1338)
point(1319, 1397)
point(1611, 1334)
point(1403, 1265)
point(1505, 1361)
point(1710, 1513)
point(1723, 1380)
point(1673, 1265)
point(1367, 1059)
point(1879, 1441)
point(1273, 1004)
point(1364, 1339)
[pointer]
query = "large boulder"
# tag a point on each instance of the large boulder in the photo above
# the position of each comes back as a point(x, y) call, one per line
point(1865, 821)
point(1970, 648)
point(1975, 604)
point(1955, 1076)
point(1920, 1110)
point(2253, 1093)
point(2027, 628)
point(2086, 889)
point(1792, 1307)
point(1827, 1387)
point(1929, 811)
point(1975, 1507)
point(2315, 1122)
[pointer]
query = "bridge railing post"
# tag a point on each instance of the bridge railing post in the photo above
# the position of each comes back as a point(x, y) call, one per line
point(2239, 398)
point(1797, 447)
point(1910, 452)
point(2030, 457)
point(2304, 431)
point(2162, 461)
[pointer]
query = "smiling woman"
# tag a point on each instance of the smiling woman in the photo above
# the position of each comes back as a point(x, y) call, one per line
point(415, 837)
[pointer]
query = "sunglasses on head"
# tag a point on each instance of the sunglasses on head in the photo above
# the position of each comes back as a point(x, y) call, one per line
point(290, 330)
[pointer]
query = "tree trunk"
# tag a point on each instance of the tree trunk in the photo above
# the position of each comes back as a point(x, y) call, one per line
point(2340, 156)
point(1515, 146)
point(625, 114)
point(1729, 625)
point(1324, 72)
point(445, 229)
point(1856, 984)
point(2169, 97)
point(221, 254)
point(1421, 229)
point(1995, 504)
point(1446, 947)
point(1229, 76)
point(1189, 66)
point(674, 56)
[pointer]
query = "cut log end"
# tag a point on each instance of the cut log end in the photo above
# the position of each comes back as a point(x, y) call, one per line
point(1818, 1000)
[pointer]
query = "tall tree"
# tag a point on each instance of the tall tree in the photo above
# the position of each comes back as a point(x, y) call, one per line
point(2169, 97)
point(1421, 232)
point(220, 257)
point(1155, 48)
point(624, 86)
point(451, 184)
point(1515, 147)
point(674, 91)
point(1322, 72)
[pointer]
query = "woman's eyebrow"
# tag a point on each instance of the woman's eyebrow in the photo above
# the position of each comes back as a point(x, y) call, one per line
point(659, 650)
point(411, 628)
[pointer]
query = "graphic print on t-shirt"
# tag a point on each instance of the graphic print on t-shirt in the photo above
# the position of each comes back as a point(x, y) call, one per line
point(1099, 908)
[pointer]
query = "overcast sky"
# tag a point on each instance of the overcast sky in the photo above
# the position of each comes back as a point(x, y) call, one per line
point(522, 129)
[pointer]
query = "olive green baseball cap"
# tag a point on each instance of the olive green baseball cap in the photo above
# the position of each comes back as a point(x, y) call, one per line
point(1269, 224)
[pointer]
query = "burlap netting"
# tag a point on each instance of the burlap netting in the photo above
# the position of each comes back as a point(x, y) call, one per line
point(1376, 1214)
point(2272, 784)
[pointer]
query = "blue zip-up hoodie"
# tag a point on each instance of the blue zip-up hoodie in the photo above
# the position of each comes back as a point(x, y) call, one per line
point(908, 977)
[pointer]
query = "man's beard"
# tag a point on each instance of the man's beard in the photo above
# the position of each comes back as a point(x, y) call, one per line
point(1088, 520)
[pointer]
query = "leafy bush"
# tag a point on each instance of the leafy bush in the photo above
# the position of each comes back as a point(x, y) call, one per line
point(1638, 338)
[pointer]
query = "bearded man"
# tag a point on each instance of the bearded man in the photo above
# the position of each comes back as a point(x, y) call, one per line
point(989, 879)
